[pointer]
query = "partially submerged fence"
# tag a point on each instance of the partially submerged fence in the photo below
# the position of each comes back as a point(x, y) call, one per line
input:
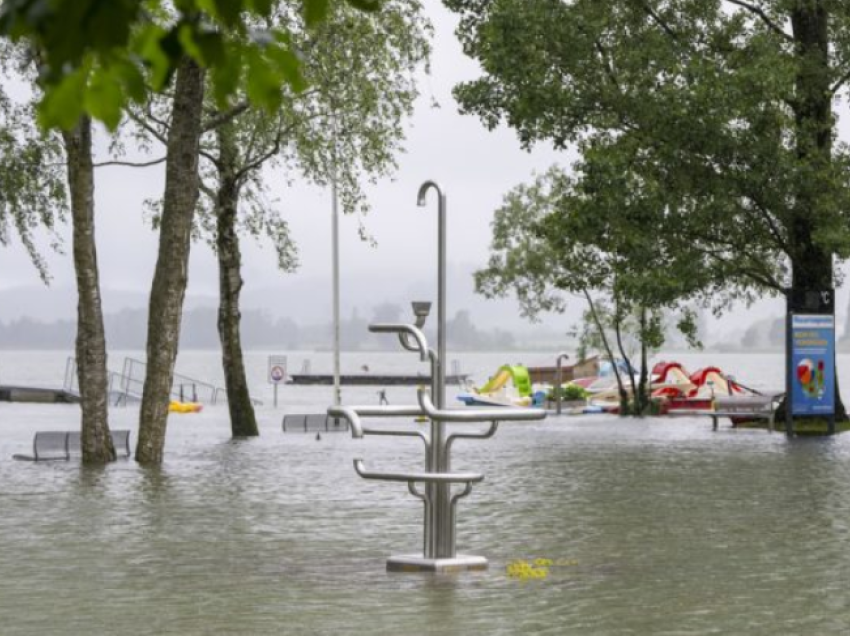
point(127, 386)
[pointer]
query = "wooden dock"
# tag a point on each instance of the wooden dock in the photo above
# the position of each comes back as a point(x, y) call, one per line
point(37, 395)
point(369, 379)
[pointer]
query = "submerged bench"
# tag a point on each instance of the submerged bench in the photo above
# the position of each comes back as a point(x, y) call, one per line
point(314, 423)
point(55, 445)
point(757, 407)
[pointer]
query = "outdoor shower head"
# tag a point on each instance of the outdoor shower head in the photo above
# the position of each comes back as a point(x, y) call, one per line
point(421, 309)
point(423, 190)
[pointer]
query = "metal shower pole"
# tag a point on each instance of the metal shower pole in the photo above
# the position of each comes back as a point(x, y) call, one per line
point(560, 381)
point(438, 462)
point(440, 397)
point(335, 242)
point(439, 528)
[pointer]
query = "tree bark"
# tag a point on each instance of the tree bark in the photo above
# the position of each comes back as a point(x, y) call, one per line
point(626, 409)
point(811, 264)
point(243, 421)
point(643, 399)
point(171, 274)
point(624, 398)
point(814, 123)
point(92, 375)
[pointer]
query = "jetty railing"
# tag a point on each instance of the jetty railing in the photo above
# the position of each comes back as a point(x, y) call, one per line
point(128, 385)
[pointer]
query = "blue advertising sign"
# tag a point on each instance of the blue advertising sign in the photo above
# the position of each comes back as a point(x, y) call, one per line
point(812, 364)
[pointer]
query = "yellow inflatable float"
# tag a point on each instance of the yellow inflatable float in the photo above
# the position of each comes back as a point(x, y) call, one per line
point(184, 407)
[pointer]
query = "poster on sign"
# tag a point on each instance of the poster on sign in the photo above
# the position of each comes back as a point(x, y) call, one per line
point(812, 364)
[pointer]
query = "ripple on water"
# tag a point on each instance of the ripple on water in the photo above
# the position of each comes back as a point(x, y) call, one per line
point(661, 527)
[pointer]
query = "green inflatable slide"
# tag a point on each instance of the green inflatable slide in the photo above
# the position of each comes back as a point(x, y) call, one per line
point(517, 373)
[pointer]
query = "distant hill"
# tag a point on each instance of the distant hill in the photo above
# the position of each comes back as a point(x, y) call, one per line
point(301, 299)
point(127, 329)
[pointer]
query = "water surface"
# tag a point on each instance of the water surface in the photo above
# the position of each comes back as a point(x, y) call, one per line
point(660, 526)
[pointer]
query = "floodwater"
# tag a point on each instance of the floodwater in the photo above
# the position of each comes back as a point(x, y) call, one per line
point(653, 526)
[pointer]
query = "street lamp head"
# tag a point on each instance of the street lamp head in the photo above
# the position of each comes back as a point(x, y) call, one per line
point(421, 309)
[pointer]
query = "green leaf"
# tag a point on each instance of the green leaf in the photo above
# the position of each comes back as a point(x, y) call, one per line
point(315, 11)
point(226, 76)
point(104, 98)
point(207, 6)
point(132, 80)
point(170, 43)
point(262, 7)
point(63, 106)
point(206, 47)
point(211, 47)
point(263, 84)
point(111, 23)
point(160, 64)
point(288, 65)
point(366, 5)
point(228, 11)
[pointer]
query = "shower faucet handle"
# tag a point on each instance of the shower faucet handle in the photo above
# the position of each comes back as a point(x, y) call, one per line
point(495, 414)
point(405, 332)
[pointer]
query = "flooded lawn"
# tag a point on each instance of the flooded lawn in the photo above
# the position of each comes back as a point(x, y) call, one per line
point(641, 527)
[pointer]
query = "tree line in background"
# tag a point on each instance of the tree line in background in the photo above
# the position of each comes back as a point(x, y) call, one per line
point(126, 330)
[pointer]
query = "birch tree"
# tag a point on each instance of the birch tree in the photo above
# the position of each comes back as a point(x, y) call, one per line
point(347, 125)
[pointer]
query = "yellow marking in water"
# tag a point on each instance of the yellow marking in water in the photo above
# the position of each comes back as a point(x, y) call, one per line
point(523, 570)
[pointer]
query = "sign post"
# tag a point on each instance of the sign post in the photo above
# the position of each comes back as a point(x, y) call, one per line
point(277, 373)
point(810, 358)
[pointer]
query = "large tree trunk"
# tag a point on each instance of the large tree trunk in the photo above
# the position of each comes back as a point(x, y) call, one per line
point(625, 407)
point(643, 392)
point(96, 440)
point(171, 275)
point(814, 123)
point(811, 264)
point(624, 397)
point(243, 421)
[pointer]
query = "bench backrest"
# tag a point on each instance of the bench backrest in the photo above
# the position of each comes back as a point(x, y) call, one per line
point(315, 422)
point(62, 444)
point(120, 441)
point(50, 445)
point(744, 404)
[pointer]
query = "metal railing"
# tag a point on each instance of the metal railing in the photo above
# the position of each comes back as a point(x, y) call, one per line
point(183, 387)
point(128, 386)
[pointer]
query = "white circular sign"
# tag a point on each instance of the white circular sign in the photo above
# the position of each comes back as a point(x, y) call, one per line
point(277, 373)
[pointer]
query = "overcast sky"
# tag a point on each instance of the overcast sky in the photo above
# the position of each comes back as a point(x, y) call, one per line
point(475, 167)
